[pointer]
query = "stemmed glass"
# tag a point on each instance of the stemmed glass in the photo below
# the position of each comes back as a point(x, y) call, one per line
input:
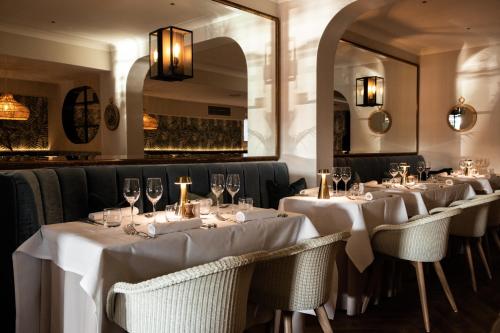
point(462, 164)
point(217, 186)
point(131, 192)
point(336, 177)
point(346, 176)
point(393, 170)
point(427, 169)
point(420, 169)
point(233, 187)
point(154, 191)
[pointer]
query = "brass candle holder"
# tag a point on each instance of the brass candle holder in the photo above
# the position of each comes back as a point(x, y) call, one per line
point(183, 181)
point(323, 192)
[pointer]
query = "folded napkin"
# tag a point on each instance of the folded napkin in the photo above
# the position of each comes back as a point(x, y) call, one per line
point(99, 216)
point(310, 191)
point(255, 214)
point(156, 228)
point(368, 196)
point(418, 187)
point(372, 183)
point(443, 174)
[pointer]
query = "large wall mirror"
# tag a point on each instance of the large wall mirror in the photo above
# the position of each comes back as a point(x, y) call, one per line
point(231, 105)
point(375, 129)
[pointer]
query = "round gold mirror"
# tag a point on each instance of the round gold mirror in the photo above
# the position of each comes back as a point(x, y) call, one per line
point(380, 121)
point(462, 117)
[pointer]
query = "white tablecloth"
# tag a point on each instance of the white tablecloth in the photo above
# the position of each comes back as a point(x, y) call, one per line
point(480, 184)
point(92, 258)
point(420, 202)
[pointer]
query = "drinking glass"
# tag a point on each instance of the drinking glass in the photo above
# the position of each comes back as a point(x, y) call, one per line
point(171, 213)
point(233, 186)
point(393, 170)
point(154, 191)
point(462, 166)
point(131, 192)
point(217, 186)
point(336, 177)
point(346, 176)
point(420, 169)
point(245, 204)
point(112, 217)
point(205, 205)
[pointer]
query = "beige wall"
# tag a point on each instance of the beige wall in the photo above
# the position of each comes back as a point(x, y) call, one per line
point(474, 74)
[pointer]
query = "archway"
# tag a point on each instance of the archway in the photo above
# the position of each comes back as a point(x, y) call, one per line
point(325, 74)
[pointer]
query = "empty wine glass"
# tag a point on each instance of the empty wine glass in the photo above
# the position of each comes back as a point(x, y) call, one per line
point(393, 170)
point(154, 191)
point(217, 186)
point(420, 169)
point(462, 165)
point(346, 176)
point(131, 192)
point(336, 177)
point(233, 186)
point(427, 169)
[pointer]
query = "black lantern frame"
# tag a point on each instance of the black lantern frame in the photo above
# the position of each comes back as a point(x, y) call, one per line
point(370, 91)
point(171, 54)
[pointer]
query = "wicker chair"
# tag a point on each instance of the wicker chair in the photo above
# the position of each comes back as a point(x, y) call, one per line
point(421, 240)
point(471, 224)
point(494, 220)
point(206, 298)
point(298, 278)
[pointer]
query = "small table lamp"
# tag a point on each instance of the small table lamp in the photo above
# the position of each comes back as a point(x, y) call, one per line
point(405, 167)
point(183, 181)
point(323, 192)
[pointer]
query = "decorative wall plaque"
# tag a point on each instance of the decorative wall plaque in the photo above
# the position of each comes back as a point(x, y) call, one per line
point(112, 116)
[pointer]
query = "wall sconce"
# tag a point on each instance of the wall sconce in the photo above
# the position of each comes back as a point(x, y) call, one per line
point(149, 122)
point(369, 91)
point(183, 181)
point(171, 54)
point(324, 192)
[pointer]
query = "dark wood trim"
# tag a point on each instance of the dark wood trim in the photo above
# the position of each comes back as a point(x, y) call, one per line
point(418, 97)
point(375, 154)
point(32, 164)
point(277, 65)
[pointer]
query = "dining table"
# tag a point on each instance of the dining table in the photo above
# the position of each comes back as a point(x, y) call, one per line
point(482, 184)
point(359, 216)
point(63, 272)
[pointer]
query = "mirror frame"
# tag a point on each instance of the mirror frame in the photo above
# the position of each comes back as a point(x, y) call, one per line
point(388, 116)
point(461, 103)
point(277, 61)
point(417, 115)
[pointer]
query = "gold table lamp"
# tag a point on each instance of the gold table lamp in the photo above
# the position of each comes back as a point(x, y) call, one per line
point(323, 192)
point(405, 167)
point(183, 181)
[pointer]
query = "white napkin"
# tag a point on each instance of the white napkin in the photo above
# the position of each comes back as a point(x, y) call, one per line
point(368, 196)
point(372, 183)
point(420, 186)
point(448, 182)
point(255, 215)
point(169, 227)
point(99, 216)
point(442, 174)
point(310, 191)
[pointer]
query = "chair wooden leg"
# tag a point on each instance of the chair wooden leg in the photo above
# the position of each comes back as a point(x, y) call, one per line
point(471, 265)
point(483, 258)
point(324, 322)
point(496, 238)
point(287, 321)
point(419, 267)
point(277, 321)
point(444, 284)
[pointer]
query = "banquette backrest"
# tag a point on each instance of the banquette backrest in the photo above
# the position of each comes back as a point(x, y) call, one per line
point(376, 167)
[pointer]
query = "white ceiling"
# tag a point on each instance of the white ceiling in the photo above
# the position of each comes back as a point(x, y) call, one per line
point(105, 21)
point(433, 26)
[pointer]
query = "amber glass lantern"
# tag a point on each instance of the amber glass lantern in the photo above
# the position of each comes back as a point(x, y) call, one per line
point(171, 54)
point(370, 91)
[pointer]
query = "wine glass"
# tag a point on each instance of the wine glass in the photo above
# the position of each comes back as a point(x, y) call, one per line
point(420, 169)
point(346, 176)
point(336, 177)
point(233, 187)
point(393, 170)
point(427, 169)
point(462, 164)
point(131, 192)
point(154, 191)
point(217, 186)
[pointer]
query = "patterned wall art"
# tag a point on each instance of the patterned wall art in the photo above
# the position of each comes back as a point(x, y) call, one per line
point(187, 133)
point(32, 134)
